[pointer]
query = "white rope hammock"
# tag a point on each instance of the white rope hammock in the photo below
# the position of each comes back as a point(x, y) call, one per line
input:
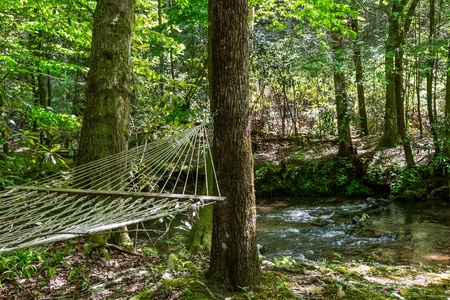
point(144, 183)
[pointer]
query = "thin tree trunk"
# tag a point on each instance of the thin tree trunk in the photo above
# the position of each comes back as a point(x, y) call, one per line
point(447, 86)
point(399, 96)
point(234, 254)
point(447, 107)
point(364, 127)
point(49, 90)
point(417, 86)
point(430, 75)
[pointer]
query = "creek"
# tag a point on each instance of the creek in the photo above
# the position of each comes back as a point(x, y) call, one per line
point(331, 228)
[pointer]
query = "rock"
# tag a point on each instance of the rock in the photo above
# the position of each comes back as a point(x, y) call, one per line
point(356, 219)
point(411, 195)
point(267, 264)
point(340, 293)
point(321, 222)
point(167, 276)
point(441, 192)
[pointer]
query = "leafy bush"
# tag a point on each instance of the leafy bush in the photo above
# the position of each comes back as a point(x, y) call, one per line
point(22, 263)
point(408, 179)
point(305, 177)
point(268, 179)
point(356, 188)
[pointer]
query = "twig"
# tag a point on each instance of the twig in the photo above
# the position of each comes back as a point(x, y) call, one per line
point(122, 250)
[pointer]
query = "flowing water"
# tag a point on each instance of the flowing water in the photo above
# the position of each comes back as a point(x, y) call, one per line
point(400, 233)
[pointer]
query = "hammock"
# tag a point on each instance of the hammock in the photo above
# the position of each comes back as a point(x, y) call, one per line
point(154, 180)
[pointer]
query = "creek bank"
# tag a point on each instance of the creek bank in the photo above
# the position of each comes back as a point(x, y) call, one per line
point(287, 169)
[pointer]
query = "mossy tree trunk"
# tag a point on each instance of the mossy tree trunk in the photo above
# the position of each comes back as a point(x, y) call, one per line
point(105, 128)
point(400, 14)
point(234, 254)
point(199, 239)
point(340, 94)
point(389, 138)
point(359, 76)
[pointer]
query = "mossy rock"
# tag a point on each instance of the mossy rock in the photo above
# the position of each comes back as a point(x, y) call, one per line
point(411, 195)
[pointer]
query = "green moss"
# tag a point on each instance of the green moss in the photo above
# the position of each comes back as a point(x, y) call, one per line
point(190, 288)
point(431, 291)
point(274, 285)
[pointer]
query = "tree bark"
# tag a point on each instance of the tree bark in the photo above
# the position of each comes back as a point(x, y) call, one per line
point(430, 72)
point(105, 128)
point(364, 127)
point(341, 98)
point(234, 253)
point(199, 238)
point(106, 118)
point(400, 102)
point(389, 138)
point(447, 86)
point(399, 24)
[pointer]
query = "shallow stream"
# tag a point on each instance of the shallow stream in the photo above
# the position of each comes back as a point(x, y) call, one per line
point(400, 233)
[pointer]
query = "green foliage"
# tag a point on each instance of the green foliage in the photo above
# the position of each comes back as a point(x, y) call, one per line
point(310, 177)
point(318, 13)
point(356, 188)
point(285, 261)
point(46, 139)
point(408, 179)
point(376, 175)
point(54, 128)
point(325, 177)
point(33, 262)
point(22, 263)
point(268, 178)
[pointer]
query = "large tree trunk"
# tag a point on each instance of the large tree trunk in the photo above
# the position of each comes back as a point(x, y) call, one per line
point(106, 116)
point(389, 138)
point(340, 92)
point(234, 253)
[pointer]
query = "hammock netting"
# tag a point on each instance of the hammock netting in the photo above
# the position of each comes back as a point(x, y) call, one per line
point(154, 180)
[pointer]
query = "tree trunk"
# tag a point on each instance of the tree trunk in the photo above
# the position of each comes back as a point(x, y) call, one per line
point(199, 238)
point(106, 117)
point(389, 138)
point(394, 121)
point(105, 128)
point(447, 112)
point(49, 90)
point(234, 253)
point(364, 128)
point(400, 101)
point(447, 86)
point(430, 71)
point(340, 92)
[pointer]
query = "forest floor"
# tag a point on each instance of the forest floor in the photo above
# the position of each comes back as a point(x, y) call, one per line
point(88, 275)
point(366, 147)
point(73, 270)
